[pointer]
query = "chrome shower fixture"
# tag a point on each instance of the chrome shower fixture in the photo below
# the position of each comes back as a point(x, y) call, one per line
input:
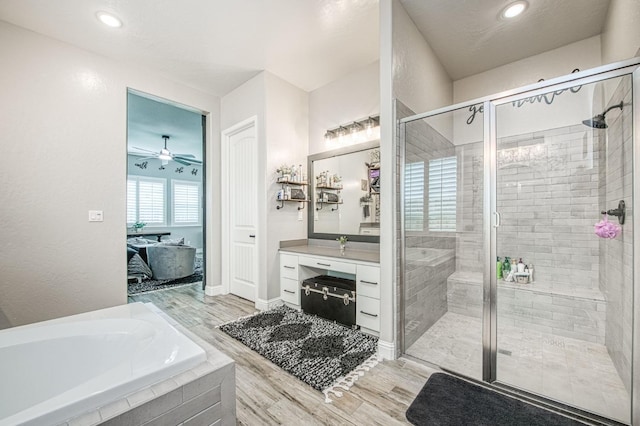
point(598, 121)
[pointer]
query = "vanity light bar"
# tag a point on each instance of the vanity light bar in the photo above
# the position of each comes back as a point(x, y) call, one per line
point(352, 128)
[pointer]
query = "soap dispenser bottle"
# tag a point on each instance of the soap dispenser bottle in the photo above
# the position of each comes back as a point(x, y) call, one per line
point(499, 268)
point(520, 266)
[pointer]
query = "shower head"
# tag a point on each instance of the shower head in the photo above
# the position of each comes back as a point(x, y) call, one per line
point(598, 121)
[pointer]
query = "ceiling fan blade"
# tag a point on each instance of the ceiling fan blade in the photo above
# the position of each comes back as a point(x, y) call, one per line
point(147, 158)
point(190, 160)
point(145, 150)
point(179, 160)
point(184, 155)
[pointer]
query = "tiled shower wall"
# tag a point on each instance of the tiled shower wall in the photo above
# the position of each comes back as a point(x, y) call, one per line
point(548, 199)
point(425, 286)
point(549, 203)
point(469, 240)
point(616, 256)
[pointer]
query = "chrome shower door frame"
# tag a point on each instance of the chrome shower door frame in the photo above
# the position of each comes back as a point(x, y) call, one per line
point(490, 218)
point(627, 68)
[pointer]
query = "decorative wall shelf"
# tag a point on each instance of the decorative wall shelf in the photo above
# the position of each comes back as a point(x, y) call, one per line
point(287, 183)
point(320, 201)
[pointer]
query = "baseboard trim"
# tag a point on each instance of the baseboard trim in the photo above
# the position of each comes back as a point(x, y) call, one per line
point(264, 305)
point(214, 290)
point(386, 350)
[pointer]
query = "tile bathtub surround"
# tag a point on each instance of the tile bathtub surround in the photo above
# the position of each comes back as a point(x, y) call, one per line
point(203, 395)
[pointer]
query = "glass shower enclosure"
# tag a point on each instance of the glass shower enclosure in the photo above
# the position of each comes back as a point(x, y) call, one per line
point(517, 262)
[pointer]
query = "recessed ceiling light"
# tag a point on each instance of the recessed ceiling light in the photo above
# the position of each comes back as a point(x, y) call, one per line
point(109, 20)
point(514, 9)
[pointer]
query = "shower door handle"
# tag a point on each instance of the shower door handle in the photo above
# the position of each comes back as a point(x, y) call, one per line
point(498, 219)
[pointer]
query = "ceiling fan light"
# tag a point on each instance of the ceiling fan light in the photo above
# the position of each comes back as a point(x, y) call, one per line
point(165, 154)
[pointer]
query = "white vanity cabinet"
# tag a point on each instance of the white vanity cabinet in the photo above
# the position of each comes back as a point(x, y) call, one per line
point(289, 285)
point(295, 268)
point(368, 297)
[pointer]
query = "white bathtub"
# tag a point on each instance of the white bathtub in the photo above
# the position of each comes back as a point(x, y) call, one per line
point(55, 370)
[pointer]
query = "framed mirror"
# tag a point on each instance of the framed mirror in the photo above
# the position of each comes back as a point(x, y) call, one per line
point(344, 191)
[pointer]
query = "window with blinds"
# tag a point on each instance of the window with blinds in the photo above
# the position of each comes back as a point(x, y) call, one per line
point(442, 194)
point(146, 200)
point(414, 196)
point(132, 201)
point(186, 203)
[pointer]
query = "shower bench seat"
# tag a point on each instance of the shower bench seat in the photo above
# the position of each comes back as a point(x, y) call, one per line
point(579, 313)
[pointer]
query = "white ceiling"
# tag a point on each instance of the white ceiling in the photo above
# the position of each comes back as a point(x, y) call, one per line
point(211, 45)
point(216, 45)
point(468, 37)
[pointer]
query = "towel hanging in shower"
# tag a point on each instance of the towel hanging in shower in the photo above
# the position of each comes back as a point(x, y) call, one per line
point(606, 229)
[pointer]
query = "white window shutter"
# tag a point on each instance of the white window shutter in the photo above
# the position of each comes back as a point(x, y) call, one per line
point(186, 203)
point(151, 201)
point(414, 196)
point(442, 194)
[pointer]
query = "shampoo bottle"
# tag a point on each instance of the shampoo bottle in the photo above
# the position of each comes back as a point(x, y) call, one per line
point(520, 266)
point(506, 267)
point(499, 269)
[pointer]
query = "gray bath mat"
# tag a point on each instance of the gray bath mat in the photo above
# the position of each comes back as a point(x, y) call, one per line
point(446, 400)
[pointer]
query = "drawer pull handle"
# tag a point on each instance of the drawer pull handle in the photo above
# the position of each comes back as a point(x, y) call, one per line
point(252, 236)
point(368, 282)
point(289, 267)
point(323, 264)
point(289, 291)
point(367, 313)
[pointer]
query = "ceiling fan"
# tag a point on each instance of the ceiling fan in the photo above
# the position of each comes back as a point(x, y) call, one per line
point(165, 155)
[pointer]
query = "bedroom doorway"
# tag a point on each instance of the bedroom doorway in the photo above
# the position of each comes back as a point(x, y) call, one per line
point(165, 216)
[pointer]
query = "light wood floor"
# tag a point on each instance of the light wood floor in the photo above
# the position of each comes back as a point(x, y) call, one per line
point(267, 395)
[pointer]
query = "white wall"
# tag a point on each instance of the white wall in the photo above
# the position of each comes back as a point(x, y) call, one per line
point(63, 133)
point(287, 142)
point(353, 97)
point(419, 79)
point(621, 33)
point(583, 54)
point(389, 319)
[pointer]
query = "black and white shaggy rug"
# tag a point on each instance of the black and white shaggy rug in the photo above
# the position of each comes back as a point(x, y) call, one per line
point(321, 353)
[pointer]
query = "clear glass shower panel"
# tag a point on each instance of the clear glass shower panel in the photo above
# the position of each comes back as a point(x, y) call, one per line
point(443, 251)
point(564, 294)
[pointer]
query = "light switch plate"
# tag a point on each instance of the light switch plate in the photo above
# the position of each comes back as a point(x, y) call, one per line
point(96, 216)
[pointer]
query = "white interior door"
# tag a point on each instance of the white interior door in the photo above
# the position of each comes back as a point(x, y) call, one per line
point(242, 211)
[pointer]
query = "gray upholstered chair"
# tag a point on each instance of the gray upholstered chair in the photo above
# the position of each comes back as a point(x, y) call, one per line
point(168, 262)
